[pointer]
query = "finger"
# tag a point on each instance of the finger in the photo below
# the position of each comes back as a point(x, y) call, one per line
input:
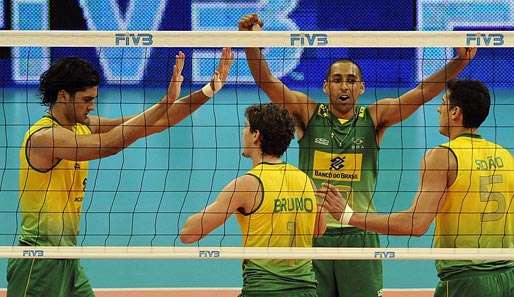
point(179, 61)
point(216, 76)
point(256, 27)
point(332, 188)
point(174, 70)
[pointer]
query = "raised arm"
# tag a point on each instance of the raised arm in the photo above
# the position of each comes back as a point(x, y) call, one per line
point(239, 194)
point(297, 103)
point(99, 124)
point(437, 172)
point(390, 111)
point(186, 105)
point(49, 145)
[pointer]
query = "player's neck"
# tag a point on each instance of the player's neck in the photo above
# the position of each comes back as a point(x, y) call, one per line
point(346, 115)
point(259, 158)
point(458, 131)
point(58, 114)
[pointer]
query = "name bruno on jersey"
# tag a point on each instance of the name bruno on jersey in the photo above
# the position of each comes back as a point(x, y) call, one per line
point(293, 205)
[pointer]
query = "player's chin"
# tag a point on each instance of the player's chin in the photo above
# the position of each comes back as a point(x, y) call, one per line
point(84, 120)
point(343, 106)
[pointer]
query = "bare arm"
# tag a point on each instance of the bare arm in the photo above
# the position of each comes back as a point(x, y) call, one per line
point(186, 105)
point(297, 103)
point(56, 143)
point(240, 193)
point(390, 111)
point(49, 145)
point(99, 124)
point(321, 225)
point(436, 173)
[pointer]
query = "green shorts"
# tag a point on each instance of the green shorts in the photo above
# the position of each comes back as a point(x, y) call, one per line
point(478, 283)
point(47, 277)
point(348, 278)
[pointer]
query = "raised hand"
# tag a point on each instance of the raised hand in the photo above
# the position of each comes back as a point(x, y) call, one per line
point(221, 73)
point(177, 79)
point(466, 53)
point(250, 22)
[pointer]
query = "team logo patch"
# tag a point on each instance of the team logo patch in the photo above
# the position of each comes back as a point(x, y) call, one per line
point(337, 167)
point(337, 163)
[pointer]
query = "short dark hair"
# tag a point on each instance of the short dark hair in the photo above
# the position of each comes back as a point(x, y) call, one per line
point(472, 96)
point(275, 125)
point(71, 74)
point(327, 76)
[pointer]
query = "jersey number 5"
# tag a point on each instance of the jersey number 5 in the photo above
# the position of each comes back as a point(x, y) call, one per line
point(487, 195)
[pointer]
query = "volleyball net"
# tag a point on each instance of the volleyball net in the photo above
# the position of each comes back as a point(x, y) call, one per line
point(136, 202)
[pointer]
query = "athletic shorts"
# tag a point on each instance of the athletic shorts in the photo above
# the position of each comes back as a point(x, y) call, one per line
point(47, 277)
point(478, 283)
point(348, 278)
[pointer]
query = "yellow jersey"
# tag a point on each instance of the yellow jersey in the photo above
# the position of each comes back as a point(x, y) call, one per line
point(286, 217)
point(478, 211)
point(50, 201)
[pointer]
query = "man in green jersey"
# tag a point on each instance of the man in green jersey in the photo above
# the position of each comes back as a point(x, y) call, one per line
point(467, 187)
point(339, 142)
point(54, 162)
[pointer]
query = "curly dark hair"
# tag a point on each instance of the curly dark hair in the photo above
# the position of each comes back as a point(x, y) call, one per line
point(472, 96)
point(275, 125)
point(71, 74)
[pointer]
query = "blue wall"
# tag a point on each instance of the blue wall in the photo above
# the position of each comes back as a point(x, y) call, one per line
point(150, 67)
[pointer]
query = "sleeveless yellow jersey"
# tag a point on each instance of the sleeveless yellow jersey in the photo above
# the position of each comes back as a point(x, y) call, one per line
point(479, 207)
point(285, 218)
point(50, 201)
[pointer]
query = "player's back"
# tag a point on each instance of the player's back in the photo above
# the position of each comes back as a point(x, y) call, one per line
point(478, 211)
point(285, 217)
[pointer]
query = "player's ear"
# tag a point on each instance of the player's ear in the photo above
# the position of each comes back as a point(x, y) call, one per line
point(62, 96)
point(454, 112)
point(362, 88)
point(256, 137)
point(325, 87)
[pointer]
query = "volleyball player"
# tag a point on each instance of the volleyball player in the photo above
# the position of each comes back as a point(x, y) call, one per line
point(274, 204)
point(339, 142)
point(467, 187)
point(54, 165)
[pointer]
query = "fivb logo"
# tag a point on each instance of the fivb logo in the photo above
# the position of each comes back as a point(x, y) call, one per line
point(317, 39)
point(477, 39)
point(33, 253)
point(133, 39)
point(209, 254)
point(385, 255)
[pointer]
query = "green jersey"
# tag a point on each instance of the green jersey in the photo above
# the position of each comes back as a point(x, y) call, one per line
point(344, 154)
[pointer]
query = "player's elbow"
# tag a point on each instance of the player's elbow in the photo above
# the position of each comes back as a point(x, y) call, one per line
point(188, 239)
point(188, 236)
point(419, 230)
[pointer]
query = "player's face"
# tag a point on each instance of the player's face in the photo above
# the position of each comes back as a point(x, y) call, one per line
point(343, 86)
point(82, 103)
point(443, 110)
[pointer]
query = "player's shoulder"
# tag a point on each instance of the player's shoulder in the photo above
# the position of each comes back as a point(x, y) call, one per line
point(245, 183)
point(439, 157)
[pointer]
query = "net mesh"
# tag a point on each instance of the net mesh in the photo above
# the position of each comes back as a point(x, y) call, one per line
point(142, 196)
